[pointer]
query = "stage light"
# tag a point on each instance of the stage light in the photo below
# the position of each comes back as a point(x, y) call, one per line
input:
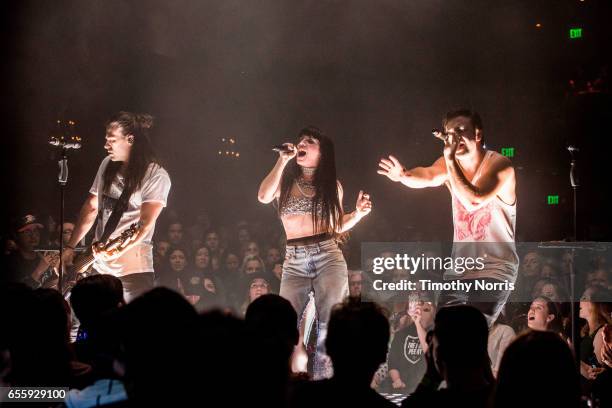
point(553, 200)
point(538, 25)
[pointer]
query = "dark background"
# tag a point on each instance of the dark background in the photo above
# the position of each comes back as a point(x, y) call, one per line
point(376, 76)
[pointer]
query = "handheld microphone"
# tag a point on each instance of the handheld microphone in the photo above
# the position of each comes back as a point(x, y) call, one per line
point(281, 148)
point(441, 132)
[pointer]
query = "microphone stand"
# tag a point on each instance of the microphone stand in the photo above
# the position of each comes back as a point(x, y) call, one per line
point(65, 138)
point(62, 180)
point(574, 183)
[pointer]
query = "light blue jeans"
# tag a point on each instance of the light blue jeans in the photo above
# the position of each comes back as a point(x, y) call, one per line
point(319, 268)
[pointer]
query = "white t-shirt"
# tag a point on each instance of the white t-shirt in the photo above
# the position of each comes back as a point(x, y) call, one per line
point(155, 186)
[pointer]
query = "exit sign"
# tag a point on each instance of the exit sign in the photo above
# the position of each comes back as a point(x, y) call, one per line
point(575, 32)
point(553, 199)
point(507, 151)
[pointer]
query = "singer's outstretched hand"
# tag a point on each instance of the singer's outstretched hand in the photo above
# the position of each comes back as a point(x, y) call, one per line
point(391, 168)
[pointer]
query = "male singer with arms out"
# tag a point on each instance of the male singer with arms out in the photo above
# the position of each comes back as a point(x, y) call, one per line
point(482, 187)
point(130, 164)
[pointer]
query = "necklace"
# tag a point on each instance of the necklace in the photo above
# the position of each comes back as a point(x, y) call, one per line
point(308, 171)
point(305, 185)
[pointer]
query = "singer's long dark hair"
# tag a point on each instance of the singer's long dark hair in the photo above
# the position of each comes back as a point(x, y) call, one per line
point(325, 182)
point(141, 154)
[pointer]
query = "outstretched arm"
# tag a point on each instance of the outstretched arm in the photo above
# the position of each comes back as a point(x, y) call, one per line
point(419, 177)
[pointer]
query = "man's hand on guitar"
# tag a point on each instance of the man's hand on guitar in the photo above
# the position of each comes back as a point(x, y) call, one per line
point(106, 255)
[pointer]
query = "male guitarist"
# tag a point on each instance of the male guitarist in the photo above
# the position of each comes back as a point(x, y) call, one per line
point(130, 187)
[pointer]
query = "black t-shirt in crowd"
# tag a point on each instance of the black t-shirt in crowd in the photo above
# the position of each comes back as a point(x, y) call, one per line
point(407, 357)
point(16, 268)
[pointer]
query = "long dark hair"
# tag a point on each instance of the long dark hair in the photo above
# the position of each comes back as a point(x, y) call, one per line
point(141, 154)
point(325, 182)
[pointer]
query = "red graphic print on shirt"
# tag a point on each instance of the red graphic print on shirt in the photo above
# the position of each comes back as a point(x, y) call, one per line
point(472, 226)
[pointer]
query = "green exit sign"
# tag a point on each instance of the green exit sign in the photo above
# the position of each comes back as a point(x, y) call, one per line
point(553, 199)
point(507, 151)
point(575, 32)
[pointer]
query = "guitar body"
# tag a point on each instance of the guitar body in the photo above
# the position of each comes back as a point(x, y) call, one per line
point(81, 265)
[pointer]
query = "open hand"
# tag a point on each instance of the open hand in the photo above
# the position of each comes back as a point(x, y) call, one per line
point(391, 168)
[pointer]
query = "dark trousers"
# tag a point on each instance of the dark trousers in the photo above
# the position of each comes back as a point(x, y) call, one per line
point(489, 302)
point(136, 284)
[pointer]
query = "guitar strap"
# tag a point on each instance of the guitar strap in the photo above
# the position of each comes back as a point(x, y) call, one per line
point(118, 210)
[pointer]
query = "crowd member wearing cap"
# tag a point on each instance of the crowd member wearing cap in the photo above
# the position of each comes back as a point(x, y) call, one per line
point(25, 264)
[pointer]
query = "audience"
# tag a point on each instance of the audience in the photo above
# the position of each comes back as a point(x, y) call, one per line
point(460, 357)
point(595, 309)
point(537, 370)
point(124, 352)
point(174, 271)
point(272, 323)
point(357, 343)
point(25, 264)
point(355, 284)
point(175, 233)
point(258, 285)
point(407, 353)
point(500, 336)
point(544, 315)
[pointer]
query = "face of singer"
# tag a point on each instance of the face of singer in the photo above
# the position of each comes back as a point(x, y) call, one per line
point(309, 152)
point(117, 144)
point(469, 138)
point(178, 261)
point(538, 316)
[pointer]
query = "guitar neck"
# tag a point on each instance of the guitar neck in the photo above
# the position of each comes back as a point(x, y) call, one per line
point(83, 262)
